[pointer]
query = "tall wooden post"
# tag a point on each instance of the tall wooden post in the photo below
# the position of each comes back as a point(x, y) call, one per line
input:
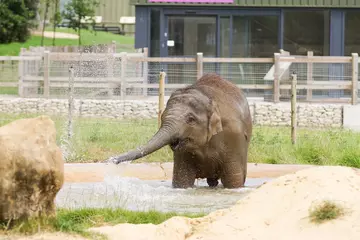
point(276, 88)
point(199, 65)
point(309, 80)
point(46, 74)
point(161, 96)
point(21, 73)
point(123, 75)
point(293, 108)
point(354, 78)
point(145, 71)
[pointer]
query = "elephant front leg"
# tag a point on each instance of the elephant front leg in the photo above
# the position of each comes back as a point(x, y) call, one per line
point(184, 172)
point(234, 171)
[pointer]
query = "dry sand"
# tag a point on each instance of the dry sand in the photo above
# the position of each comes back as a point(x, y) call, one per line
point(276, 210)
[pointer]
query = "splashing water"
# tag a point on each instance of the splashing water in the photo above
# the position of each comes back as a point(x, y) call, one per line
point(143, 195)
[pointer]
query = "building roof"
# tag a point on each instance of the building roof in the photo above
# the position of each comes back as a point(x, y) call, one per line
point(254, 3)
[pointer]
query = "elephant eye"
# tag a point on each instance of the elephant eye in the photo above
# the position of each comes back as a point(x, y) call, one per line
point(190, 119)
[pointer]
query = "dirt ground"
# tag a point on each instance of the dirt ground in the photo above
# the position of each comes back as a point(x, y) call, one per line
point(95, 172)
point(49, 34)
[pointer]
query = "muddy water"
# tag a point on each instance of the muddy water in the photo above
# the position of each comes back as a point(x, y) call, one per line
point(142, 195)
point(147, 186)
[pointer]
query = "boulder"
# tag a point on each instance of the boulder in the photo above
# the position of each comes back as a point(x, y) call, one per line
point(31, 168)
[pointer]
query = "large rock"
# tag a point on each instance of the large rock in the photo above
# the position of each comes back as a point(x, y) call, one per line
point(31, 168)
point(277, 210)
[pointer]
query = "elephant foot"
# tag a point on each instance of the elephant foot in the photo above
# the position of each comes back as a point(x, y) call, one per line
point(212, 182)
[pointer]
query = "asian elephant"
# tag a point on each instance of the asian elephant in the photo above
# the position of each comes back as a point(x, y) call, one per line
point(208, 126)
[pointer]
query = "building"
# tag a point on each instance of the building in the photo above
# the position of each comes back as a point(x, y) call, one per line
point(111, 11)
point(247, 28)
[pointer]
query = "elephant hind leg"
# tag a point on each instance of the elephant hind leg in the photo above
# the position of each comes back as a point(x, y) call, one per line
point(212, 182)
point(234, 175)
point(233, 181)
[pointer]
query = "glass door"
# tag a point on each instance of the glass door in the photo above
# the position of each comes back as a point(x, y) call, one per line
point(188, 35)
point(185, 36)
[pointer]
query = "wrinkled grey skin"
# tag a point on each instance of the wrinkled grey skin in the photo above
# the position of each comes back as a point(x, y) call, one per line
point(208, 127)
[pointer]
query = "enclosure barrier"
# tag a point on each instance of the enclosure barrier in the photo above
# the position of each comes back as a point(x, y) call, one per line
point(293, 108)
point(113, 75)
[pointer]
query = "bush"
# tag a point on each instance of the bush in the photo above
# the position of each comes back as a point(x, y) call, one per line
point(325, 211)
point(16, 18)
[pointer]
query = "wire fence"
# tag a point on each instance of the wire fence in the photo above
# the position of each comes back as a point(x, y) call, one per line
point(104, 73)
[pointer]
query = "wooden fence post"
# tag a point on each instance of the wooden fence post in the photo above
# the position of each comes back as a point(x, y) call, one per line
point(113, 46)
point(309, 80)
point(145, 71)
point(21, 73)
point(123, 75)
point(110, 72)
point(161, 95)
point(199, 65)
point(293, 108)
point(70, 101)
point(276, 87)
point(355, 76)
point(46, 74)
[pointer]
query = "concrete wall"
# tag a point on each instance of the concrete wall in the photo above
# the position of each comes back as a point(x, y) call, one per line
point(310, 115)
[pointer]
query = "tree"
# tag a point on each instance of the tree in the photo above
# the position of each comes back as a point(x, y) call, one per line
point(77, 10)
point(47, 6)
point(17, 17)
point(56, 19)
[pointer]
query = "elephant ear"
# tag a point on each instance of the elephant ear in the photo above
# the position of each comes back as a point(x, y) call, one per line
point(215, 125)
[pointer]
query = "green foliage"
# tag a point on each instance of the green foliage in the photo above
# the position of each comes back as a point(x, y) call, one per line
point(16, 19)
point(325, 211)
point(76, 10)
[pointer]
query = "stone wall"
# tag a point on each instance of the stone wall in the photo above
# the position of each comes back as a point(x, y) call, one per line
point(311, 115)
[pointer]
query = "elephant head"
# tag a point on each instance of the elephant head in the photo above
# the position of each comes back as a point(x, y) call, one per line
point(188, 122)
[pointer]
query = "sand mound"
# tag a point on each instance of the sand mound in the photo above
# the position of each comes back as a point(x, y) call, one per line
point(277, 210)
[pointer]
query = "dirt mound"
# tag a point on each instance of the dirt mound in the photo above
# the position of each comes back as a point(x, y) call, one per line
point(276, 210)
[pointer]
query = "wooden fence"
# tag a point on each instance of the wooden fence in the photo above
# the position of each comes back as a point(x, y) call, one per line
point(277, 79)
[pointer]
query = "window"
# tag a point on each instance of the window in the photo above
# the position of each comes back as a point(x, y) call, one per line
point(155, 33)
point(352, 33)
point(224, 37)
point(190, 35)
point(307, 31)
point(255, 36)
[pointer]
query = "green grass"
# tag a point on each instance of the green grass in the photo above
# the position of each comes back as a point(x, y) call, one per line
point(78, 221)
point(88, 38)
point(325, 211)
point(8, 90)
point(97, 139)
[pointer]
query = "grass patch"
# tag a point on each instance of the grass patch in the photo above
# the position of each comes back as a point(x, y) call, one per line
point(9, 90)
point(78, 221)
point(98, 139)
point(325, 211)
point(88, 38)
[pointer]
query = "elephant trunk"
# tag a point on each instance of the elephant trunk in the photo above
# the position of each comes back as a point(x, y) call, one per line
point(159, 140)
